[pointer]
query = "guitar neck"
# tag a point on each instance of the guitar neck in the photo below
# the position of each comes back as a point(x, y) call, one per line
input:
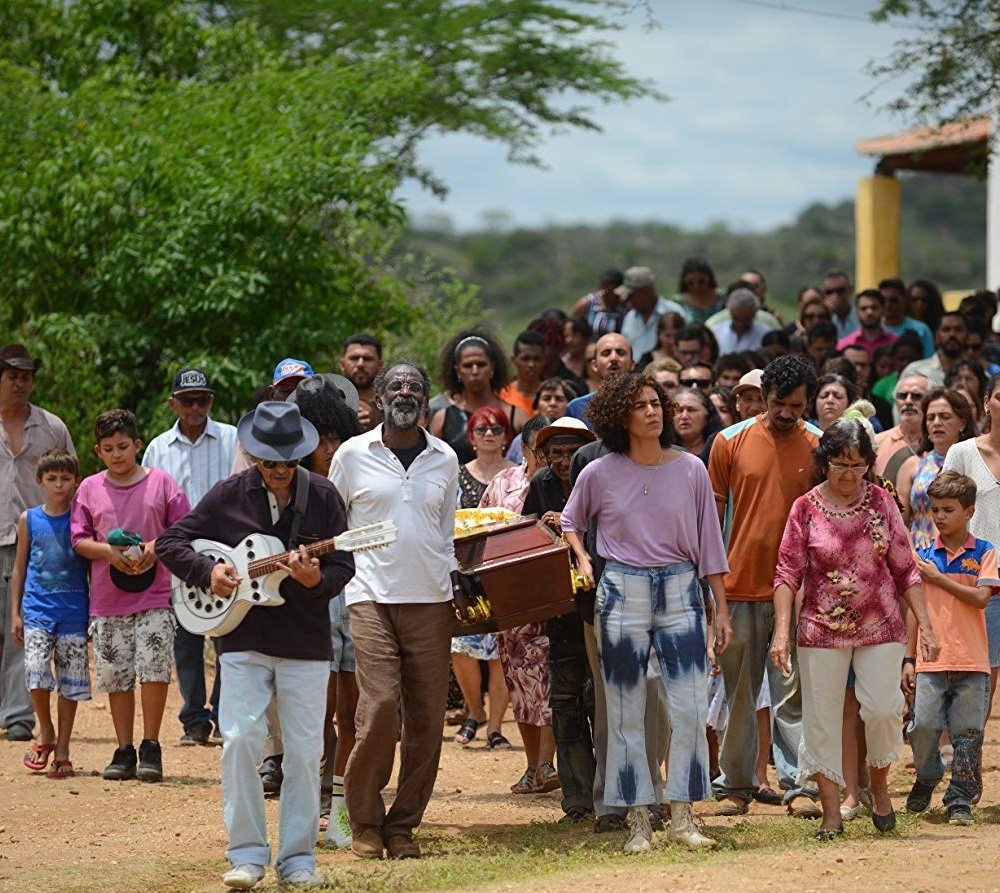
point(264, 566)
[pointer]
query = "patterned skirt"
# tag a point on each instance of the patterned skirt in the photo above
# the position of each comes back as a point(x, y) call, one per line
point(524, 656)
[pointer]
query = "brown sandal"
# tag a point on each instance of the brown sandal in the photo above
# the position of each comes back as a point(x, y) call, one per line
point(526, 784)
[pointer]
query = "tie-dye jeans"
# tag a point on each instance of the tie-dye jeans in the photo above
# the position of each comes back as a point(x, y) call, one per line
point(639, 610)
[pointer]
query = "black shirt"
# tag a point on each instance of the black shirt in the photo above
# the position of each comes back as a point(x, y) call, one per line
point(238, 506)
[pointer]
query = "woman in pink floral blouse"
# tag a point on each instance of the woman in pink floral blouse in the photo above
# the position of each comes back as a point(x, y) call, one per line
point(524, 650)
point(846, 546)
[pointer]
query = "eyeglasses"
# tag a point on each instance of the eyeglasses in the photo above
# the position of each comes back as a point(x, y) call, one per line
point(695, 383)
point(188, 402)
point(836, 290)
point(271, 464)
point(848, 469)
point(488, 429)
point(396, 386)
point(915, 396)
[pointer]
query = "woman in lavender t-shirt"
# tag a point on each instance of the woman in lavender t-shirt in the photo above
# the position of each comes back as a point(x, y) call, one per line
point(658, 530)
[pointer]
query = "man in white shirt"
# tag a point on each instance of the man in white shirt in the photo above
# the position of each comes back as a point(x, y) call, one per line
point(400, 609)
point(742, 331)
point(197, 452)
point(639, 325)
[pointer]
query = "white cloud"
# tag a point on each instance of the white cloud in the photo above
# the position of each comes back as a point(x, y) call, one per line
point(765, 109)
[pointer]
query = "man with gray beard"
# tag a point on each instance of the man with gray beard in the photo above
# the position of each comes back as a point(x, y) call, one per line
point(400, 609)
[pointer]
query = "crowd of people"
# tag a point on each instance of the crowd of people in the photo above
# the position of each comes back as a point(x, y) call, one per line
point(785, 530)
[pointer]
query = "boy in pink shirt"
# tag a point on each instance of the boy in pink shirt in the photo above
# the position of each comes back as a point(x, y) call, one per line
point(132, 623)
point(959, 576)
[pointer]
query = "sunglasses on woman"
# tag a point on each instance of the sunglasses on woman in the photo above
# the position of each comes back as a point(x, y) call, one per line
point(488, 429)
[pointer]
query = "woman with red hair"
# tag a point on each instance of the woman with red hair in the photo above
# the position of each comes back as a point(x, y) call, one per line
point(489, 432)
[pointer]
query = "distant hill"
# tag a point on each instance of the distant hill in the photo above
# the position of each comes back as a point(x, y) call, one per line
point(521, 271)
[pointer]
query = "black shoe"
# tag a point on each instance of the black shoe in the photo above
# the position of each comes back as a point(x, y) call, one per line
point(198, 733)
point(576, 815)
point(826, 834)
point(122, 765)
point(609, 822)
point(20, 731)
point(659, 815)
point(919, 797)
point(150, 761)
point(884, 823)
point(960, 815)
point(271, 775)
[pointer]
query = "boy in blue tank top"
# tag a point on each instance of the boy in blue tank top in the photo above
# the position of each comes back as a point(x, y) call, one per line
point(49, 612)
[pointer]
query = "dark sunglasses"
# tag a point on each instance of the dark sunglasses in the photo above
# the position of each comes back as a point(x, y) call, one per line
point(271, 464)
point(695, 383)
point(193, 401)
point(915, 396)
point(488, 429)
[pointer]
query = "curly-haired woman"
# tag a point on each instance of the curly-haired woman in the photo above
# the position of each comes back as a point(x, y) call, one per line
point(649, 596)
point(473, 372)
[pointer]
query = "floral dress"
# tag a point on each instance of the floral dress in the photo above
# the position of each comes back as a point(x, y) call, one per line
point(483, 646)
point(922, 527)
point(524, 650)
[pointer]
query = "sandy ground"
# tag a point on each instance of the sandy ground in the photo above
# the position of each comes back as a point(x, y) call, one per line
point(89, 834)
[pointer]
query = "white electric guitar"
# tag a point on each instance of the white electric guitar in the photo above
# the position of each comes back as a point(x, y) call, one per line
point(256, 559)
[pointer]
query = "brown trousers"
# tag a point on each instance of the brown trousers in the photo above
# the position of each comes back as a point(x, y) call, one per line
point(402, 671)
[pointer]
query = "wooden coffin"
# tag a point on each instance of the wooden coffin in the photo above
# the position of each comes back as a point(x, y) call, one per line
point(524, 571)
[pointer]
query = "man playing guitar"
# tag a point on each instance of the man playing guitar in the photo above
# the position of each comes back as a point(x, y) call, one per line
point(283, 650)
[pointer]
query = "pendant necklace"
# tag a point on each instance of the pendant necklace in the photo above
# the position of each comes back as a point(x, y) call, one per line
point(645, 486)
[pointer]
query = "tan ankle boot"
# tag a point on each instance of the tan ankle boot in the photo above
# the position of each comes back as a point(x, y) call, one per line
point(684, 830)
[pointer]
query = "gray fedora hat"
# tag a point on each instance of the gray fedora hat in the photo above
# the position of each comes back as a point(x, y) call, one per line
point(276, 430)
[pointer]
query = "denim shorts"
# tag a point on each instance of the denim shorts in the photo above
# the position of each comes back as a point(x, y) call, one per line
point(340, 634)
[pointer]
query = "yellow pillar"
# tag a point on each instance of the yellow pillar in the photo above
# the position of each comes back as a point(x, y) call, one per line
point(876, 230)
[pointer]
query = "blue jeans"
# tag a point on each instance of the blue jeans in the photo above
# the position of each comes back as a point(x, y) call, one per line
point(189, 658)
point(743, 665)
point(639, 610)
point(300, 686)
point(572, 703)
point(958, 702)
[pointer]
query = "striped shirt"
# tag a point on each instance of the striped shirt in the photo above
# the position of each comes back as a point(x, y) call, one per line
point(198, 466)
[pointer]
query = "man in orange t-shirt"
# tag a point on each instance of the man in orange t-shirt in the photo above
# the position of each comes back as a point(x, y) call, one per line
point(759, 467)
point(528, 359)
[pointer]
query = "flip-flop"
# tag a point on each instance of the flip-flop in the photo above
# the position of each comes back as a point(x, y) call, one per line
point(37, 758)
point(467, 733)
point(61, 769)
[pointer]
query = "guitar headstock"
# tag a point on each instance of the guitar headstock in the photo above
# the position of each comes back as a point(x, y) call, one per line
point(367, 537)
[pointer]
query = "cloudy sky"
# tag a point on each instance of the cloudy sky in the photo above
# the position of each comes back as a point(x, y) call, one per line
point(765, 109)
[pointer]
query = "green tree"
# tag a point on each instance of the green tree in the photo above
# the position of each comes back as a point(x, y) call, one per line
point(950, 57)
point(216, 183)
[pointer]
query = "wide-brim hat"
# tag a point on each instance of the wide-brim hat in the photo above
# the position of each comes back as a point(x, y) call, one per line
point(275, 430)
point(133, 582)
point(17, 357)
point(750, 380)
point(345, 387)
point(564, 427)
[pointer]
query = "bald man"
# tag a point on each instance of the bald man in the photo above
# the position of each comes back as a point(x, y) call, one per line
point(614, 355)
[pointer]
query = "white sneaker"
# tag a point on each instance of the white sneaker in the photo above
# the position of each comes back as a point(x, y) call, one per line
point(338, 830)
point(243, 877)
point(640, 832)
point(304, 877)
point(683, 830)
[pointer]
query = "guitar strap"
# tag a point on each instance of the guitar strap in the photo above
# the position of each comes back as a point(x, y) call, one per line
point(299, 506)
